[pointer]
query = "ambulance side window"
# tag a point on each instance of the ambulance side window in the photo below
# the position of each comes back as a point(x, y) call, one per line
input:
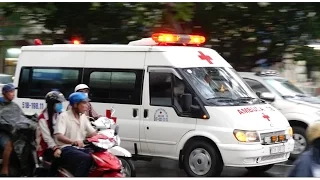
point(256, 86)
point(166, 90)
point(160, 89)
point(115, 86)
point(36, 82)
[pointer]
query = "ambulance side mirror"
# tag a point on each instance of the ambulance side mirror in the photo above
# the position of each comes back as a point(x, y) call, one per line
point(186, 101)
point(267, 96)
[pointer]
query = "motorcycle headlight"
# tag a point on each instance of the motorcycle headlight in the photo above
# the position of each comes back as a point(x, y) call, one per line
point(246, 136)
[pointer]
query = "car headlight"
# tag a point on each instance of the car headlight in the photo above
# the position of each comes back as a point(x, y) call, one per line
point(246, 136)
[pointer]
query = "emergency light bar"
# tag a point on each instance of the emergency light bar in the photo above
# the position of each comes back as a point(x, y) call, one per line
point(75, 41)
point(37, 42)
point(163, 38)
point(267, 73)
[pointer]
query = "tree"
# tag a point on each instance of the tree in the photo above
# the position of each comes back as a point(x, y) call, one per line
point(242, 32)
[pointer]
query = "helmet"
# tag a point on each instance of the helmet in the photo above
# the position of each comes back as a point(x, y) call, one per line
point(54, 97)
point(313, 131)
point(78, 97)
point(81, 86)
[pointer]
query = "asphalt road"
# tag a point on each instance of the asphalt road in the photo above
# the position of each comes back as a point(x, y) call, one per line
point(160, 167)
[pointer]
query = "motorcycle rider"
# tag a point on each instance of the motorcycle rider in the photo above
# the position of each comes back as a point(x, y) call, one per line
point(8, 92)
point(85, 89)
point(71, 129)
point(47, 120)
point(308, 164)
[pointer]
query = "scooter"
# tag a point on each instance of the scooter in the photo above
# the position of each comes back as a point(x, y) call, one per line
point(23, 160)
point(105, 163)
point(109, 128)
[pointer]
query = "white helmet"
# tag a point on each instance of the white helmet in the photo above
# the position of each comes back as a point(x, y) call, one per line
point(81, 86)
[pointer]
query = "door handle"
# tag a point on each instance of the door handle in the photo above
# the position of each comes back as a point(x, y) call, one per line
point(145, 113)
point(135, 113)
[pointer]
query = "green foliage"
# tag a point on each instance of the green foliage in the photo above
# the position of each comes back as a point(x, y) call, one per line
point(242, 32)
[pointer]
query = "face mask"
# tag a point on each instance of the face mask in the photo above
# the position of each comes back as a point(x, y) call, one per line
point(58, 107)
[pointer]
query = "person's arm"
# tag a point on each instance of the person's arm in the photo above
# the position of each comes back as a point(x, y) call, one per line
point(61, 130)
point(46, 135)
point(92, 112)
point(90, 130)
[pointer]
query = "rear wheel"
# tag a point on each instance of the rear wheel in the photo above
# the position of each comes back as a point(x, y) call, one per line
point(202, 159)
point(128, 167)
point(259, 169)
point(300, 142)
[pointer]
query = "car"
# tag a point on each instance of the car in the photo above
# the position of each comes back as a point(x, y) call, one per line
point(298, 107)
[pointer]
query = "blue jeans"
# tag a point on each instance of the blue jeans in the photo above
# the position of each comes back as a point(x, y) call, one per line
point(77, 161)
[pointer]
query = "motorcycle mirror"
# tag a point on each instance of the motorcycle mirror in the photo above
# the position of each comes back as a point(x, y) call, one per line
point(112, 111)
point(116, 130)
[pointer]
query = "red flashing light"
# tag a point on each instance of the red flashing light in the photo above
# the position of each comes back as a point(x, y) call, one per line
point(76, 42)
point(37, 42)
point(163, 38)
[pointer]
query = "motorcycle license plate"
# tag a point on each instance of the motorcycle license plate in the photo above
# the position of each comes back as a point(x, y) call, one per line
point(277, 149)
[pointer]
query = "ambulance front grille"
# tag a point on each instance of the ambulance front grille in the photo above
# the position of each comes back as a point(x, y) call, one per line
point(269, 134)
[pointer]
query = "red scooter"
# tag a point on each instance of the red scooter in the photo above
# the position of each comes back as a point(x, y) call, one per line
point(105, 163)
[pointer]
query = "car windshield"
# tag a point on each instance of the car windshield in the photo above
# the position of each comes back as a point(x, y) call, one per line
point(284, 87)
point(5, 79)
point(219, 84)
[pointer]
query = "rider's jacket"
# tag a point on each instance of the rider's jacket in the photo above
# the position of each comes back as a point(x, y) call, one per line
point(45, 139)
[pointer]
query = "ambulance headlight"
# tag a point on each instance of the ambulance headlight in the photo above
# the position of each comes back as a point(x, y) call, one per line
point(246, 136)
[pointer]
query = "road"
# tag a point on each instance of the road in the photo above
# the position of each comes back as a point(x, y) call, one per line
point(168, 168)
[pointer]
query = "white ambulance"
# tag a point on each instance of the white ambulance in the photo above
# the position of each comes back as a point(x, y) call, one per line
point(173, 99)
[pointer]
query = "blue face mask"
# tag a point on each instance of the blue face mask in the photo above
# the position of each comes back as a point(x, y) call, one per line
point(58, 107)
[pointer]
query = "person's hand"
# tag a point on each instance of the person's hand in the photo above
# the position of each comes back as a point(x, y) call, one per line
point(78, 143)
point(57, 153)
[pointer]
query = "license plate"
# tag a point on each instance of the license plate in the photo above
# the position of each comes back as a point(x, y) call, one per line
point(277, 149)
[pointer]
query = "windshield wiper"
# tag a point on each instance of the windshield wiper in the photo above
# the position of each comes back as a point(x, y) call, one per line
point(301, 95)
point(222, 99)
point(246, 99)
point(287, 96)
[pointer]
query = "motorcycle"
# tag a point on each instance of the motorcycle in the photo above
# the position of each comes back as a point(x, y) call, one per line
point(23, 159)
point(105, 163)
point(109, 128)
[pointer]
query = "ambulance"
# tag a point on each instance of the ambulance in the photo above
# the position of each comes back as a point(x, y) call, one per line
point(173, 99)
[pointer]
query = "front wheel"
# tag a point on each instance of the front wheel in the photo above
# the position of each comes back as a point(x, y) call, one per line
point(300, 142)
point(259, 169)
point(202, 159)
point(128, 167)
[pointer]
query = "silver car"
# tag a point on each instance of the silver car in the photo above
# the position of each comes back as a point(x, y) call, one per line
point(298, 107)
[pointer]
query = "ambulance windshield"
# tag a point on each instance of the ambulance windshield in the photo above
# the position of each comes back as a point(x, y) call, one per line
point(220, 85)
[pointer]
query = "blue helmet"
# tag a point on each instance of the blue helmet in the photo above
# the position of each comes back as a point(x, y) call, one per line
point(78, 97)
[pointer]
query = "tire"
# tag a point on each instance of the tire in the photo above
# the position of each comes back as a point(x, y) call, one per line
point(129, 168)
point(199, 151)
point(298, 134)
point(259, 169)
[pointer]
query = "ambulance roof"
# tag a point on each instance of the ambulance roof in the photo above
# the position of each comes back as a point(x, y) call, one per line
point(176, 56)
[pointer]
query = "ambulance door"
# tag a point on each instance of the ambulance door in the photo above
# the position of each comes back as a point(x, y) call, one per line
point(164, 121)
point(116, 83)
